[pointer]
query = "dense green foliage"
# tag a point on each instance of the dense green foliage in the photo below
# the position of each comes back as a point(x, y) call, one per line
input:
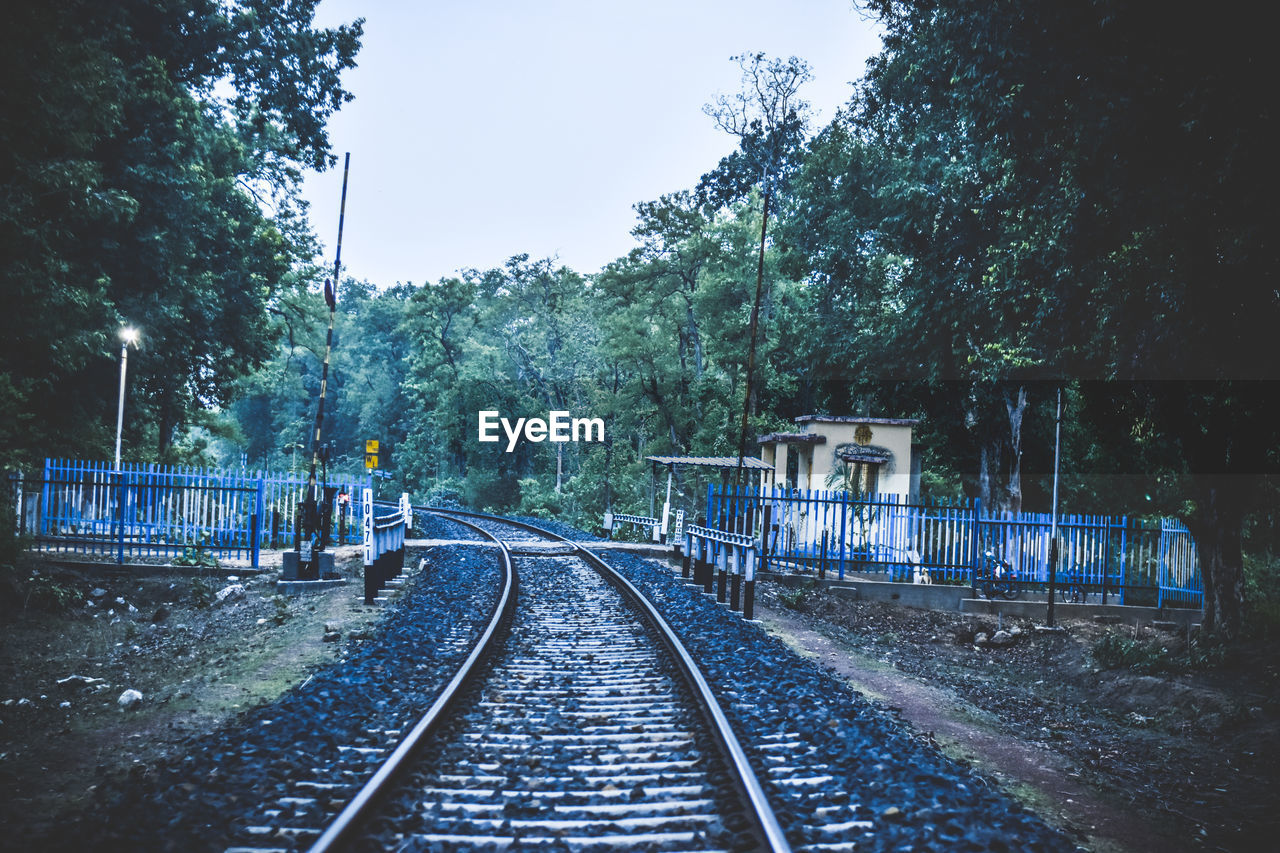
point(150, 152)
point(1033, 191)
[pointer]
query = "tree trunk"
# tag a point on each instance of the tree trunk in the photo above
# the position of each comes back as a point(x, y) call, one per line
point(559, 466)
point(1015, 410)
point(984, 478)
point(165, 428)
point(695, 339)
point(1218, 527)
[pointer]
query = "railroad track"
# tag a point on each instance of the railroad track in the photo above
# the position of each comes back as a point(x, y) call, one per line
point(578, 722)
point(570, 726)
point(826, 819)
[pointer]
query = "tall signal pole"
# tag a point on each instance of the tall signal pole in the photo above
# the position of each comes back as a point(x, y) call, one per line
point(312, 540)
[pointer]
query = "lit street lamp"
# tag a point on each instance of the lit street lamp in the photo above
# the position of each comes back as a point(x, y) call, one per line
point(128, 336)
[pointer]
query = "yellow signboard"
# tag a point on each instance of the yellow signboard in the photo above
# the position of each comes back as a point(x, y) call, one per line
point(371, 446)
point(371, 460)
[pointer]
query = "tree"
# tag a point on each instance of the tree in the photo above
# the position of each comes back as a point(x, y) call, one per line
point(768, 119)
point(1094, 177)
point(895, 234)
point(133, 193)
point(516, 340)
point(648, 312)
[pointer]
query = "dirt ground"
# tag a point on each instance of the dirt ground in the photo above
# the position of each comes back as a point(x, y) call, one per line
point(1186, 758)
point(196, 660)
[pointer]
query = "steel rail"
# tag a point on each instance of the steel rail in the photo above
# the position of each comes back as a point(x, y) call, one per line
point(341, 828)
point(761, 812)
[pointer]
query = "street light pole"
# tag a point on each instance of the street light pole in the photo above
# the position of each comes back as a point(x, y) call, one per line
point(127, 336)
point(1054, 554)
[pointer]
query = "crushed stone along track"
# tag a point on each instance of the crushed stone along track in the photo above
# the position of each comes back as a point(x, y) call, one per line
point(579, 737)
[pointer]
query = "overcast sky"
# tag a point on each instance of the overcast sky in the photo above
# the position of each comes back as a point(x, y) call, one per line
point(482, 129)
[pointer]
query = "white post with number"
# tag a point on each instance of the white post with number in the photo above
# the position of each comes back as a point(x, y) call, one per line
point(366, 505)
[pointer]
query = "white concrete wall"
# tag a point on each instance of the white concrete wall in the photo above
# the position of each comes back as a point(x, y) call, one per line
point(895, 475)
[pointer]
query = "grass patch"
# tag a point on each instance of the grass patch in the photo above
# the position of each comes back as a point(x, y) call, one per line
point(196, 557)
point(794, 598)
point(1115, 651)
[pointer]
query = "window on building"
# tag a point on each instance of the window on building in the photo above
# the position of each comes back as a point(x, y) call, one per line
point(864, 477)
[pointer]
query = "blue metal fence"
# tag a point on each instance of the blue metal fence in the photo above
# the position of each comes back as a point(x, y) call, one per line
point(1111, 559)
point(1181, 584)
point(145, 509)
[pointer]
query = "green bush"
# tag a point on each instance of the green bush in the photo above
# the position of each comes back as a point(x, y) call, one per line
point(537, 500)
point(196, 557)
point(1262, 595)
point(202, 593)
point(489, 491)
point(282, 609)
point(793, 598)
point(44, 592)
point(1115, 651)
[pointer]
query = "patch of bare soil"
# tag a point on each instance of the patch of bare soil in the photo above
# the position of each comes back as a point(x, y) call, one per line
point(1181, 760)
point(198, 648)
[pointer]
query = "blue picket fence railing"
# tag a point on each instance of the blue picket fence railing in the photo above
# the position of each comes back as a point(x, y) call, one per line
point(147, 510)
point(1115, 559)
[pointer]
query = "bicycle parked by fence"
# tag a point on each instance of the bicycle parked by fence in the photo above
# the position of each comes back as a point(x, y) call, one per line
point(997, 579)
point(1073, 590)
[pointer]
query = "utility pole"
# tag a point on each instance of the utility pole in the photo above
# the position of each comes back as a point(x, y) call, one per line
point(128, 336)
point(1053, 524)
point(763, 117)
point(293, 457)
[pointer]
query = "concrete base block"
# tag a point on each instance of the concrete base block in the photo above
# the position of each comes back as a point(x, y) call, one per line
point(1126, 613)
point(957, 598)
point(289, 565)
point(926, 596)
point(297, 587)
